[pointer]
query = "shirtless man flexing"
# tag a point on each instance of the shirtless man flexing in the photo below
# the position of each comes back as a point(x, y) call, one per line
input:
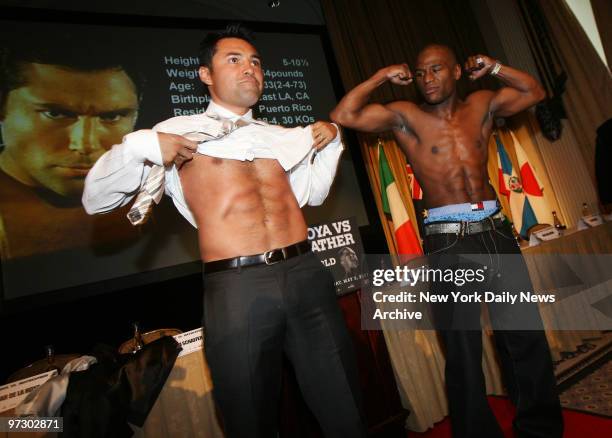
point(445, 140)
point(265, 292)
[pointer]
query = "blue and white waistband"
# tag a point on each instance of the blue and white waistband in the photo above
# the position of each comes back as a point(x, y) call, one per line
point(462, 212)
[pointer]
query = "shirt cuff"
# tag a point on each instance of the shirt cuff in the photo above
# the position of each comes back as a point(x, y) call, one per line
point(334, 148)
point(143, 145)
point(338, 139)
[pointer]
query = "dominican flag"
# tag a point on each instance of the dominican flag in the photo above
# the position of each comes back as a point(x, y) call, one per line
point(532, 187)
point(405, 236)
point(523, 193)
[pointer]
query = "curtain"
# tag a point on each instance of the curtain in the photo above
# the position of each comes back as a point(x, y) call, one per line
point(560, 44)
point(602, 10)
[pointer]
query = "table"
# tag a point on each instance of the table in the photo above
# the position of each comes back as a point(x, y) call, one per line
point(589, 242)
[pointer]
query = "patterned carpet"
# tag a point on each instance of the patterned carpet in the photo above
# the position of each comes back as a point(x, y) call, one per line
point(593, 393)
point(576, 424)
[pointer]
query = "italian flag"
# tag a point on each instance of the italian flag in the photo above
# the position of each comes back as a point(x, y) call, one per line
point(405, 236)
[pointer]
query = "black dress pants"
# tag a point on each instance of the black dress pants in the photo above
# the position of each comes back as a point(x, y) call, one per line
point(524, 355)
point(252, 316)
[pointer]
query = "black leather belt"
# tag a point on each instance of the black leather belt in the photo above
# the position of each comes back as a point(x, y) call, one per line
point(269, 258)
point(466, 228)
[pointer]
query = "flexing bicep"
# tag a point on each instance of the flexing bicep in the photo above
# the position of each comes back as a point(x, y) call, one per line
point(373, 117)
point(509, 101)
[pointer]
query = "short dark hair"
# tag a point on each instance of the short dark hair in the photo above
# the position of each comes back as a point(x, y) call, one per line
point(208, 46)
point(446, 48)
point(59, 49)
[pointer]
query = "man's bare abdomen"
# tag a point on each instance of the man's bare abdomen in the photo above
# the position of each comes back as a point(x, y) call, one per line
point(457, 184)
point(241, 207)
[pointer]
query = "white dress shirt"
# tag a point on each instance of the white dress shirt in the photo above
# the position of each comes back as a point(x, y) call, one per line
point(118, 175)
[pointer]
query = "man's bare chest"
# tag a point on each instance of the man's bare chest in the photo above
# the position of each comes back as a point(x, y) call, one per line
point(464, 135)
point(226, 175)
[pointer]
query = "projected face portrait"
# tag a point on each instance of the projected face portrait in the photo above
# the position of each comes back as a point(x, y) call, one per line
point(59, 120)
point(348, 260)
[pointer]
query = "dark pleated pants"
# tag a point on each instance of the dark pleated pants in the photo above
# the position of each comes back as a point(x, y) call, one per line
point(524, 355)
point(252, 316)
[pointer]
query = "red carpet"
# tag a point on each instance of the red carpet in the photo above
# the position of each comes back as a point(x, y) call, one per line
point(577, 424)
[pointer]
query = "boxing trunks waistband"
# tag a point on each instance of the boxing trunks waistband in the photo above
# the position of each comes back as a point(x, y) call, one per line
point(467, 212)
point(269, 258)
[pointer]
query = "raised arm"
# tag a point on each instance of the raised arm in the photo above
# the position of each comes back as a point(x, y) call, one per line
point(354, 112)
point(521, 91)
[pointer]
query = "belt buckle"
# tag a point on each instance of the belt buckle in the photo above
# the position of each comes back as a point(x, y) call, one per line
point(463, 227)
point(269, 254)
